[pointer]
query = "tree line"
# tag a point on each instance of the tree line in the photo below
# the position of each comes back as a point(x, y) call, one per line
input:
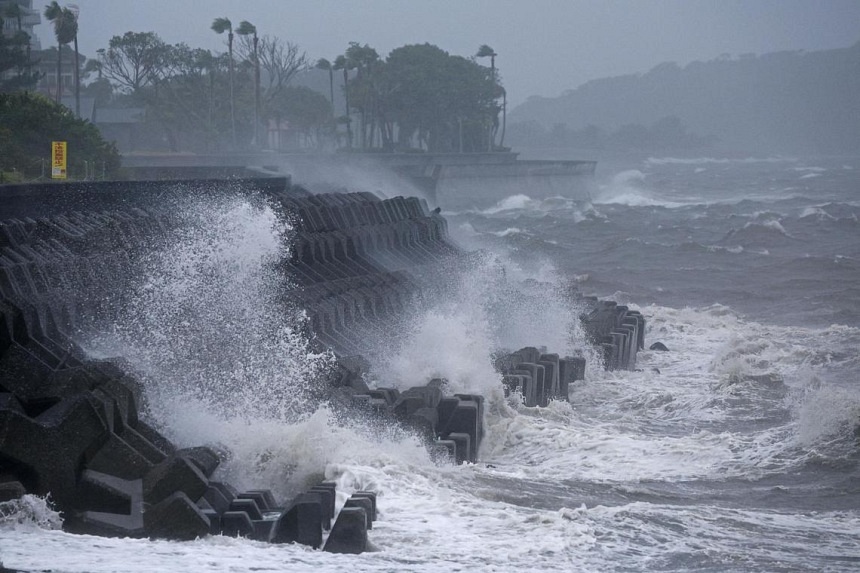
point(419, 97)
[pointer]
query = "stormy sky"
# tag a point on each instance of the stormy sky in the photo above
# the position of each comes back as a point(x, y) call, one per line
point(544, 46)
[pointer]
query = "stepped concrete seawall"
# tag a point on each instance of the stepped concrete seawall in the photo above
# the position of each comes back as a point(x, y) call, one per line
point(452, 181)
point(77, 428)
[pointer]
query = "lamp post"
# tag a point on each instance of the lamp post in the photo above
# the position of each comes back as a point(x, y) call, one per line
point(246, 28)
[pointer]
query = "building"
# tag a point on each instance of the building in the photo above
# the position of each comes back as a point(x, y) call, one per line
point(46, 64)
point(24, 16)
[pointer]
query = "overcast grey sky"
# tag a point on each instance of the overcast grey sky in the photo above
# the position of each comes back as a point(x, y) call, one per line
point(544, 46)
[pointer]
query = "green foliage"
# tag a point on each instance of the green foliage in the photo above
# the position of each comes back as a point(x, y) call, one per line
point(134, 60)
point(221, 25)
point(440, 98)
point(30, 122)
point(64, 21)
point(304, 108)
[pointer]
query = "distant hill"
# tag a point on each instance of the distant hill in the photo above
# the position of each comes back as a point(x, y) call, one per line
point(779, 102)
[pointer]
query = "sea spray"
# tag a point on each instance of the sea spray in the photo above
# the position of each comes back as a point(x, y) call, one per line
point(493, 306)
point(210, 331)
point(29, 511)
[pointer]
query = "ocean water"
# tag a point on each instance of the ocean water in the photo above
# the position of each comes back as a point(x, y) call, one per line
point(737, 450)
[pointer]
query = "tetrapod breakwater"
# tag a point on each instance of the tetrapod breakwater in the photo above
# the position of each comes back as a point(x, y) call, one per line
point(77, 428)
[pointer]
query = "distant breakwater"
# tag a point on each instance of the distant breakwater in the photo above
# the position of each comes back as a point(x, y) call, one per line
point(77, 428)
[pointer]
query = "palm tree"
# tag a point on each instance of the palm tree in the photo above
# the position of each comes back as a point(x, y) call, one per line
point(245, 29)
point(65, 30)
point(219, 26)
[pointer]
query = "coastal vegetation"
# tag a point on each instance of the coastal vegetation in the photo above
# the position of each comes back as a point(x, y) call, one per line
point(30, 122)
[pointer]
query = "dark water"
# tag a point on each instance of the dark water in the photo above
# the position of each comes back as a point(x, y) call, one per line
point(735, 451)
point(777, 240)
point(741, 454)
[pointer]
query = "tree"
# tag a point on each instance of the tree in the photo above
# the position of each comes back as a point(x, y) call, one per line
point(219, 26)
point(65, 30)
point(247, 29)
point(134, 60)
point(365, 60)
point(31, 121)
point(307, 112)
point(447, 102)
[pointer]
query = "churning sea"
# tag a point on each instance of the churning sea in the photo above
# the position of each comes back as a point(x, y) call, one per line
point(737, 450)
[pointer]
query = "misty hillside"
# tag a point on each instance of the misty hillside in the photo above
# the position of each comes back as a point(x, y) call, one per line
point(780, 102)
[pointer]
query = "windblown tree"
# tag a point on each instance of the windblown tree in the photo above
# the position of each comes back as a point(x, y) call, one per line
point(65, 30)
point(143, 67)
point(365, 61)
point(134, 61)
point(279, 63)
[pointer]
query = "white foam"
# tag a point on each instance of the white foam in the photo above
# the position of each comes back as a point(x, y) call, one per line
point(511, 203)
point(628, 188)
point(28, 513)
point(510, 231)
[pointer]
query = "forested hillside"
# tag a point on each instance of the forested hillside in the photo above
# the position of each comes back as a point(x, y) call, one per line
point(779, 102)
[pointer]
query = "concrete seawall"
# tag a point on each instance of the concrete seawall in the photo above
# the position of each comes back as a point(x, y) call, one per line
point(77, 428)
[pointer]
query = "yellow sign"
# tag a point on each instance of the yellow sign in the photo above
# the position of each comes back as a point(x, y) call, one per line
point(58, 160)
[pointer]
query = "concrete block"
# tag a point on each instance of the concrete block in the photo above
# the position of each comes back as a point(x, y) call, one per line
point(216, 499)
point(236, 524)
point(364, 503)
point(263, 498)
point(176, 517)
point(204, 458)
point(176, 473)
point(371, 495)
point(301, 523)
point(249, 506)
point(349, 533)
